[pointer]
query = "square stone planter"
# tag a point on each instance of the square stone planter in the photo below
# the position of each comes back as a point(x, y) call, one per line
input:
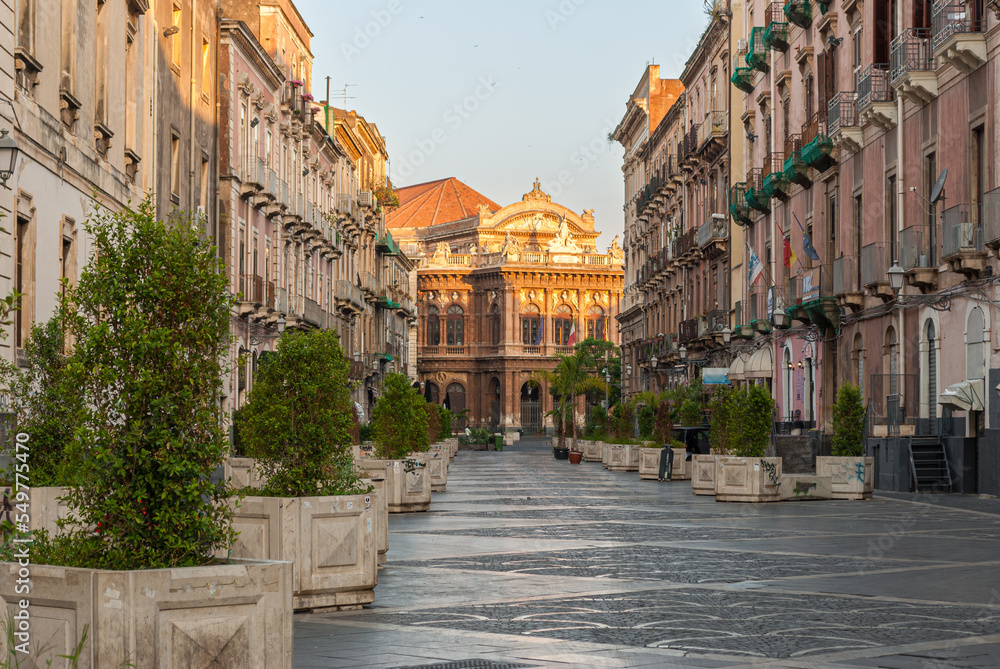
point(226, 615)
point(47, 507)
point(850, 477)
point(803, 487)
point(330, 540)
point(649, 463)
point(243, 472)
point(623, 458)
point(437, 467)
point(747, 479)
point(408, 483)
point(703, 474)
point(593, 451)
point(381, 494)
point(681, 470)
point(605, 453)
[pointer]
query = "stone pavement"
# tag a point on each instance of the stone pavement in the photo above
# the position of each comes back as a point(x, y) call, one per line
point(527, 561)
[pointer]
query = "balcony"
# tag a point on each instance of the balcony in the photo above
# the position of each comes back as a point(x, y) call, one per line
point(874, 270)
point(756, 56)
point(688, 330)
point(962, 244)
point(775, 185)
point(876, 98)
point(755, 196)
point(796, 170)
point(742, 74)
point(847, 283)
point(991, 219)
point(713, 236)
point(911, 66)
point(799, 12)
point(252, 296)
point(386, 301)
point(689, 155)
point(349, 298)
point(313, 314)
point(843, 123)
point(712, 134)
point(817, 147)
point(716, 321)
point(916, 258)
point(738, 207)
point(811, 299)
point(958, 35)
point(776, 33)
point(759, 309)
point(370, 286)
point(386, 245)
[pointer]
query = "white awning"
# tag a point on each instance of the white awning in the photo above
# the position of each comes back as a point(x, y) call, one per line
point(965, 396)
point(736, 369)
point(760, 365)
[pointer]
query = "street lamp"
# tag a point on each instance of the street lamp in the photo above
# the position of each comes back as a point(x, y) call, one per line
point(727, 335)
point(654, 361)
point(896, 275)
point(8, 157)
point(780, 319)
point(683, 352)
point(281, 324)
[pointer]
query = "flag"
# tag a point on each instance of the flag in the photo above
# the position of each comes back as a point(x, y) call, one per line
point(572, 335)
point(790, 256)
point(807, 244)
point(756, 267)
point(538, 337)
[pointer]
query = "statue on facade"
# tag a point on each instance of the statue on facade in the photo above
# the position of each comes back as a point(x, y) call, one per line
point(441, 254)
point(616, 251)
point(563, 241)
point(511, 248)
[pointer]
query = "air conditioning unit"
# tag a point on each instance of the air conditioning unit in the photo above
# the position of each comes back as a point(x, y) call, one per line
point(365, 198)
point(965, 235)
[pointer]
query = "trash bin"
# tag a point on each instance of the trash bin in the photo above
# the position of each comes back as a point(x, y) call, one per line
point(499, 441)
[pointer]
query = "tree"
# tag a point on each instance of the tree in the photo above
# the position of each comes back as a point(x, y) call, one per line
point(433, 421)
point(570, 379)
point(719, 422)
point(299, 418)
point(151, 325)
point(446, 422)
point(751, 419)
point(400, 420)
point(848, 423)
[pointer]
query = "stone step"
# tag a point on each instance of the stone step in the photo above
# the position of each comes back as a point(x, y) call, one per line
point(800, 487)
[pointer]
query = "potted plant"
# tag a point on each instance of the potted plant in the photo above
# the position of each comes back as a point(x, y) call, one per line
point(703, 466)
point(310, 501)
point(401, 439)
point(748, 476)
point(851, 474)
point(150, 324)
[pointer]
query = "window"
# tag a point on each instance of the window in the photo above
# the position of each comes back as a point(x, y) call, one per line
point(67, 255)
point(24, 255)
point(891, 222)
point(175, 167)
point(975, 352)
point(175, 39)
point(884, 28)
point(858, 355)
point(206, 69)
point(562, 325)
point(456, 323)
point(931, 390)
point(531, 326)
point(101, 65)
point(930, 178)
point(495, 325)
point(205, 182)
point(433, 327)
point(595, 323)
point(978, 177)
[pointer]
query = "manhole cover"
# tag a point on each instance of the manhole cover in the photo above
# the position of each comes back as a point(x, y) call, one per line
point(469, 664)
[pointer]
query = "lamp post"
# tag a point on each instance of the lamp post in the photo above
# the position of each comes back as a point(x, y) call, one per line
point(8, 157)
point(727, 335)
point(896, 275)
point(780, 319)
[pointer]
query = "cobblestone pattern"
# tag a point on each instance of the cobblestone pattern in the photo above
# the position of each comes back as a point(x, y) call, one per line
point(624, 532)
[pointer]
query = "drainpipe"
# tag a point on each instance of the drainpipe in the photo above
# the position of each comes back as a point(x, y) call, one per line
point(191, 105)
point(900, 173)
point(774, 255)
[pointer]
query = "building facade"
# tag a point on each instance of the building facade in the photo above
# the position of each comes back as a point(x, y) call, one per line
point(501, 290)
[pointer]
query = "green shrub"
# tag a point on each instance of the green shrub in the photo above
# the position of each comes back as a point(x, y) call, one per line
point(664, 426)
point(446, 422)
point(298, 419)
point(647, 418)
point(366, 432)
point(690, 413)
point(151, 325)
point(400, 420)
point(848, 423)
point(433, 422)
point(751, 419)
point(719, 422)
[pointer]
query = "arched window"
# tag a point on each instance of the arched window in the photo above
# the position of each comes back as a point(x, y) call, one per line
point(562, 325)
point(975, 351)
point(531, 326)
point(596, 323)
point(788, 380)
point(456, 325)
point(932, 394)
point(455, 400)
point(495, 324)
point(433, 326)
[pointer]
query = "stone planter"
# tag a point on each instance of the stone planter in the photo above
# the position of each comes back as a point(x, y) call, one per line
point(407, 482)
point(703, 474)
point(681, 469)
point(46, 508)
point(649, 463)
point(437, 467)
point(850, 477)
point(381, 493)
point(330, 540)
point(593, 451)
point(243, 472)
point(747, 479)
point(623, 458)
point(224, 615)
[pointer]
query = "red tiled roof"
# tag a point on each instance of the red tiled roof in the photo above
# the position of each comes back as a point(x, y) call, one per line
point(437, 202)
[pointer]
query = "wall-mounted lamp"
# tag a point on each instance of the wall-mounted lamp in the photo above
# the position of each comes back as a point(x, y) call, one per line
point(727, 335)
point(172, 30)
point(254, 122)
point(834, 41)
point(683, 352)
point(305, 171)
point(281, 324)
point(8, 157)
point(751, 137)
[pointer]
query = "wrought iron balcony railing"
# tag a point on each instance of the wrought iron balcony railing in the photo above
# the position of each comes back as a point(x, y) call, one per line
point(952, 18)
point(873, 86)
point(875, 264)
point(843, 111)
point(961, 229)
point(911, 52)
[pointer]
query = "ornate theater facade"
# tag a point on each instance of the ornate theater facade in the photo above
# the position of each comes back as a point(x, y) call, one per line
point(501, 291)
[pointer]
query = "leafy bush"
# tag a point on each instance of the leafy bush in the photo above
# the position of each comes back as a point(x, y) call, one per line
point(647, 417)
point(298, 419)
point(400, 420)
point(366, 432)
point(719, 422)
point(151, 325)
point(664, 425)
point(848, 423)
point(751, 418)
point(690, 413)
point(45, 402)
point(677, 444)
point(446, 422)
point(433, 422)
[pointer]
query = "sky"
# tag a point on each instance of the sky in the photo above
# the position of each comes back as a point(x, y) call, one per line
point(499, 93)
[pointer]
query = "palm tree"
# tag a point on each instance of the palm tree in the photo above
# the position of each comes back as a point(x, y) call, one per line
point(570, 379)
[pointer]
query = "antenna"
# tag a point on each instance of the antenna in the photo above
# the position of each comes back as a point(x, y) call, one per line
point(346, 96)
point(937, 193)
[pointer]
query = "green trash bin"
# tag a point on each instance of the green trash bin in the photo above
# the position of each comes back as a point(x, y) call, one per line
point(499, 441)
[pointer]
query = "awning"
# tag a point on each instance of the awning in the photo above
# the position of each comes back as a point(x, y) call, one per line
point(736, 369)
point(760, 365)
point(965, 396)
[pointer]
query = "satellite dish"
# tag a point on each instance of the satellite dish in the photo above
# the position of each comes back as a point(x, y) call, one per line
point(938, 189)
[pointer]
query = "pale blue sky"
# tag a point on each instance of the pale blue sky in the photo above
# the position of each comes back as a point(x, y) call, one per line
point(497, 93)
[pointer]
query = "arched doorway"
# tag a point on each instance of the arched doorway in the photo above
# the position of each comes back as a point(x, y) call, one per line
point(494, 395)
point(932, 371)
point(531, 409)
point(454, 399)
point(788, 373)
point(431, 393)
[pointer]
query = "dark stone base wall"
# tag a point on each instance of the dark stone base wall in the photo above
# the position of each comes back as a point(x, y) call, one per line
point(795, 453)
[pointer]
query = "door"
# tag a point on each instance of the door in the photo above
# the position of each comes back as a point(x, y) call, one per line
point(531, 410)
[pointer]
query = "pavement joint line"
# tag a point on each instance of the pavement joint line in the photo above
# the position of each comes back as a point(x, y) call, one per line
point(898, 649)
point(932, 505)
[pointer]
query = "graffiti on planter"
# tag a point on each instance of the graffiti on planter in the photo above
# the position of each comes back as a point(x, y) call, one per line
point(803, 488)
point(412, 465)
point(772, 472)
point(859, 470)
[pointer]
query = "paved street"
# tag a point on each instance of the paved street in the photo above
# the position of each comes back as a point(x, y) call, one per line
point(531, 562)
